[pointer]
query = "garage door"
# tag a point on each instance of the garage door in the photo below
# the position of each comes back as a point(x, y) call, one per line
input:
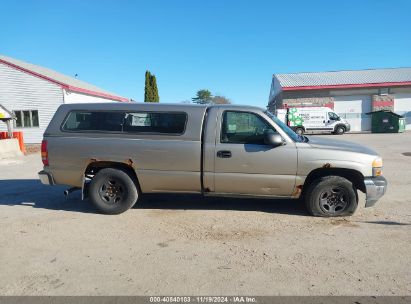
point(402, 106)
point(353, 109)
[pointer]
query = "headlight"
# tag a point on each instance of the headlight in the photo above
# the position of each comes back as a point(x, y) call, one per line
point(377, 167)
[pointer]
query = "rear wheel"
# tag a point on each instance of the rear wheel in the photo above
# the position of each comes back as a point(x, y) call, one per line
point(331, 196)
point(299, 131)
point(113, 191)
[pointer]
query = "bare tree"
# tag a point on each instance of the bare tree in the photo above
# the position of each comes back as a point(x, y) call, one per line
point(221, 100)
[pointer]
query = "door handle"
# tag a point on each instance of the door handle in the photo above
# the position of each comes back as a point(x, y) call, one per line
point(224, 154)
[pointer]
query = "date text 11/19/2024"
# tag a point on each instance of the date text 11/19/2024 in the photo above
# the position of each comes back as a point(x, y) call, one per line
point(203, 299)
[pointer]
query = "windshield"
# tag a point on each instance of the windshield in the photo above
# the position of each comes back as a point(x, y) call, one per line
point(285, 128)
point(333, 116)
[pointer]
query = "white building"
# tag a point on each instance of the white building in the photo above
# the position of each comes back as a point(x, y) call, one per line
point(33, 93)
point(351, 94)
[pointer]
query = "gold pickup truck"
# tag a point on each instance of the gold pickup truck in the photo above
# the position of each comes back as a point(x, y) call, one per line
point(115, 153)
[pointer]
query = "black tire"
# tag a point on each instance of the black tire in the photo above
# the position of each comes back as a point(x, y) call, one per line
point(331, 196)
point(113, 191)
point(339, 130)
point(299, 131)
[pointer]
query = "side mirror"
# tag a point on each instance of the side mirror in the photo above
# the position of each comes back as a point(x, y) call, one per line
point(273, 139)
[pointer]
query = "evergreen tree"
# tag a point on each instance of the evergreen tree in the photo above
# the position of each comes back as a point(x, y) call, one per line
point(150, 88)
point(147, 87)
point(203, 97)
point(154, 89)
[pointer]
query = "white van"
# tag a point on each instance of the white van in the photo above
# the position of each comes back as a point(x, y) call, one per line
point(313, 119)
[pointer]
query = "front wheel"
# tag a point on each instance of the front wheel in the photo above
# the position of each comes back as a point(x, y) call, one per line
point(299, 131)
point(331, 196)
point(339, 130)
point(113, 191)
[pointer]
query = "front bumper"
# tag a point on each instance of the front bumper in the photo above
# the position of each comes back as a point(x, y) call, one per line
point(46, 178)
point(376, 188)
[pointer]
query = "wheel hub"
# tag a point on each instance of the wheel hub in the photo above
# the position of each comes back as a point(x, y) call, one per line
point(111, 191)
point(334, 200)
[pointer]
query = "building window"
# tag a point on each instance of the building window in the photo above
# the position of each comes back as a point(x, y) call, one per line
point(384, 91)
point(26, 119)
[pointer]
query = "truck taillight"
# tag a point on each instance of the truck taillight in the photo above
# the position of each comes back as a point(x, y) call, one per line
point(44, 153)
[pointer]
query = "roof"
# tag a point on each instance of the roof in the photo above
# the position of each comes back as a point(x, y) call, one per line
point(154, 106)
point(345, 79)
point(66, 82)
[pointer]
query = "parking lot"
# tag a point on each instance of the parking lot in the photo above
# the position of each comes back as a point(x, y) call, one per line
point(188, 245)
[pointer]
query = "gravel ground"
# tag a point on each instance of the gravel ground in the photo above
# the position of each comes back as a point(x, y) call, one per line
point(187, 245)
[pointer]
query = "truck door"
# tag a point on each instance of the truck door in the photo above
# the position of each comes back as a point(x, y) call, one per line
point(324, 121)
point(332, 120)
point(244, 164)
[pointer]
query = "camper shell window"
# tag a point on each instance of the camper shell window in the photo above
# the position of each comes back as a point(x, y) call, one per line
point(126, 122)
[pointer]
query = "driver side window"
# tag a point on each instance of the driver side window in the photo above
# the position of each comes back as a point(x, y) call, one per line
point(332, 116)
point(244, 128)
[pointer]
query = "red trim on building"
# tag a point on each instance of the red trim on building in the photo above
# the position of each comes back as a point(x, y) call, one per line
point(349, 86)
point(63, 85)
point(32, 73)
point(98, 94)
point(386, 103)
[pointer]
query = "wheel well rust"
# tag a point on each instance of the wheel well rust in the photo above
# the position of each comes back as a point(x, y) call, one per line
point(95, 166)
point(353, 176)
